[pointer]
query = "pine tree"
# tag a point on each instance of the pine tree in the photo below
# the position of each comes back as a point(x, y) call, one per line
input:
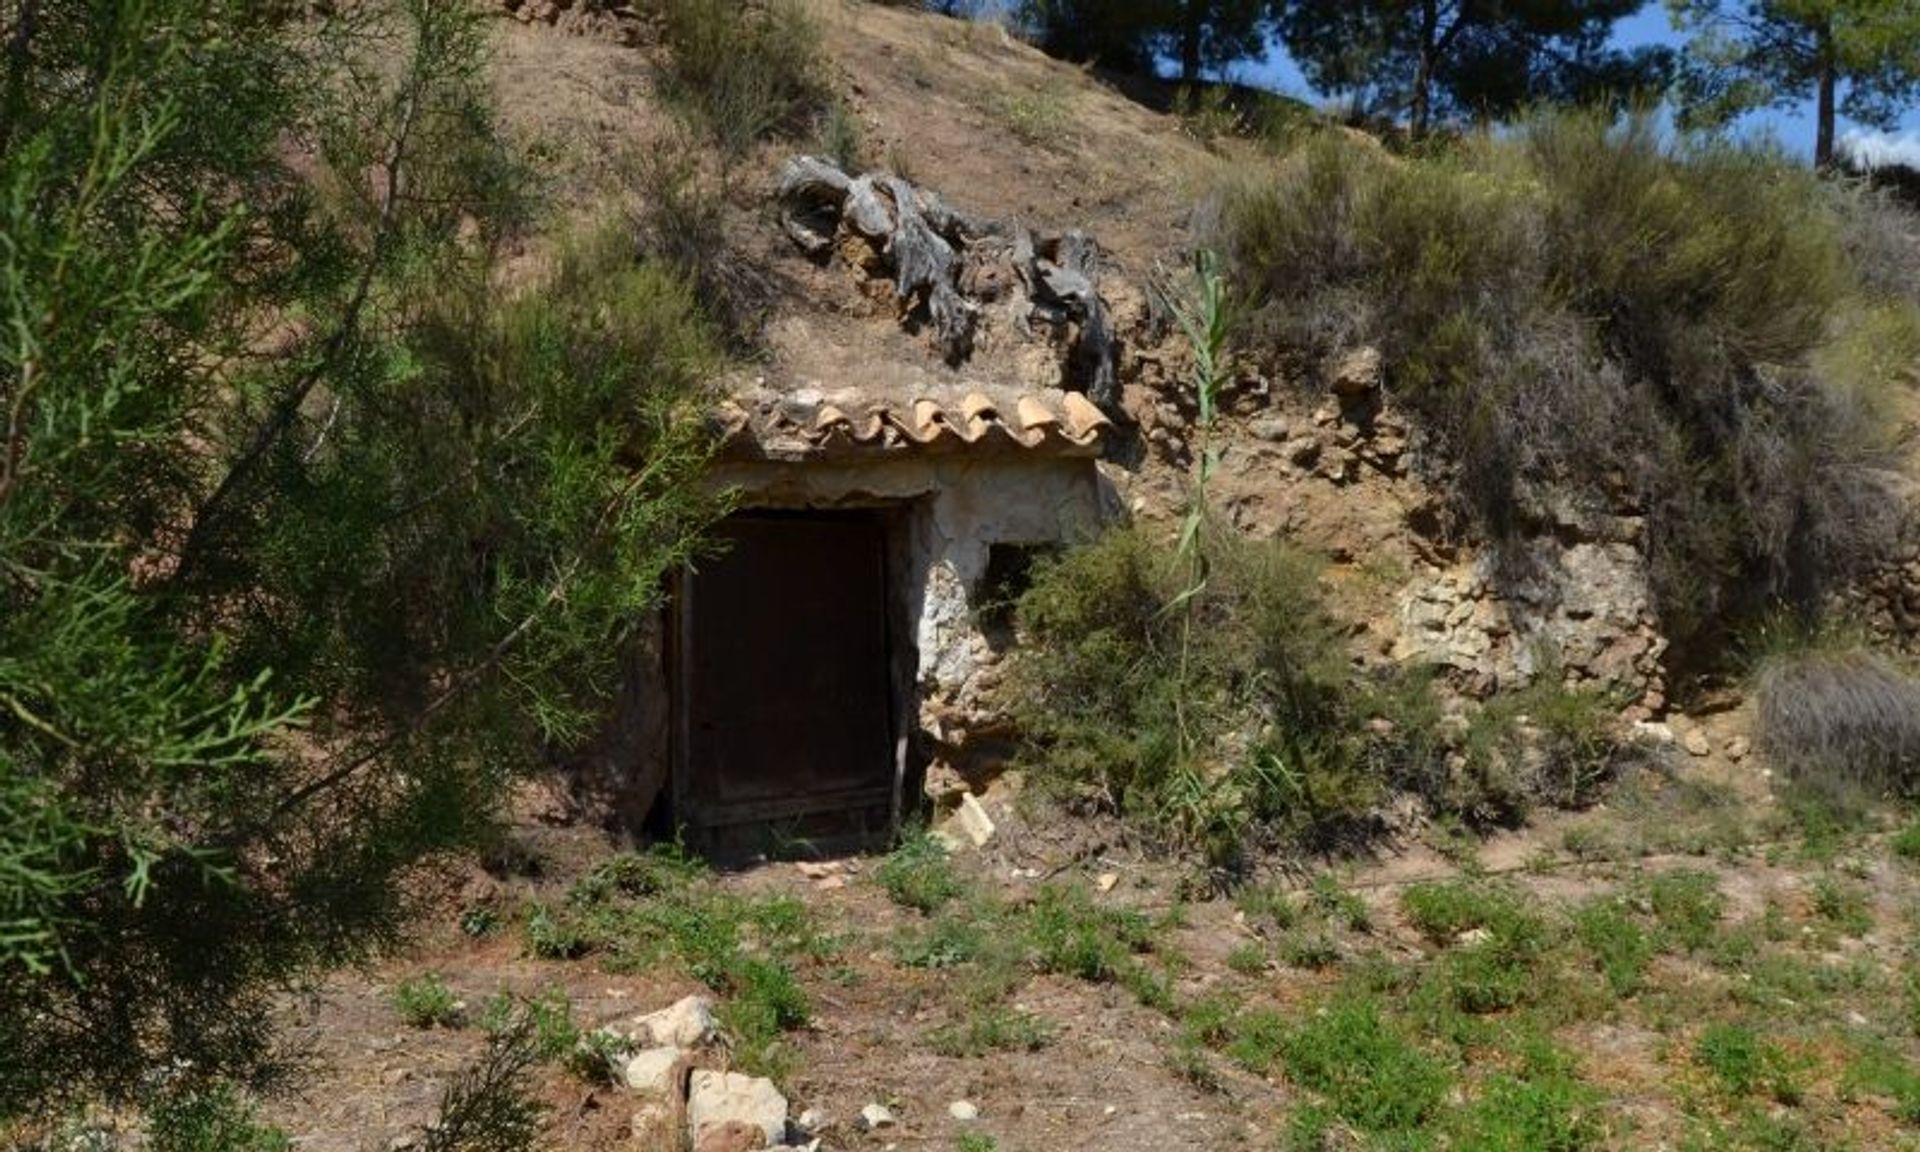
point(1776, 53)
point(1479, 58)
point(1130, 35)
point(308, 537)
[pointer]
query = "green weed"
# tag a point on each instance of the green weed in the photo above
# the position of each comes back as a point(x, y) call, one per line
point(1905, 843)
point(1621, 948)
point(1744, 1064)
point(210, 1119)
point(1247, 959)
point(1369, 1074)
point(1688, 907)
point(992, 1028)
point(1542, 1112)
point(918, 874)
point(1846, 906)
point(425, 1001)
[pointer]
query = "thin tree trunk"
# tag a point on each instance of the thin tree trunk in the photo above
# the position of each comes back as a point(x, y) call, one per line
point(1823, 130)
point(1191, 29)
point(1421, 110)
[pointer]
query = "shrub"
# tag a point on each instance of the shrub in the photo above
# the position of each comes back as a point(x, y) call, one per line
point(1259, 732)
point(1370, 1075)
point(1744, 1064)
point(743, 72)
point(210, 1119)
point(1595, 310)
point(489, 1106)
point(1688, 906)
point(1842, 720)
point(1547, 1109)
point(992, 1028)
point(425, 1001)
point(1621, 948)
point(1906, 842)
point(918, 874)
point(1545, 742)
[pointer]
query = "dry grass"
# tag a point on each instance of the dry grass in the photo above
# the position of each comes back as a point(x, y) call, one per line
point(1846, 719)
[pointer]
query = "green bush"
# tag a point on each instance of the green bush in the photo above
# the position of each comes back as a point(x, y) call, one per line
point(425, 1001)
point(1744, 1064)
point(992, 1028)
point(1688, 906)
point(1595, 310)
point(1545, 1109)
point(490, 1105)
point(210, 1119)
point(918, 874)
point(1260, 732)
point(744, 72)
point(1370, 1075)
point(1545, 742)
point(1621, 948)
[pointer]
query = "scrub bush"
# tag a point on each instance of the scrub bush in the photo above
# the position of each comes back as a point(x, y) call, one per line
point(1695, 329)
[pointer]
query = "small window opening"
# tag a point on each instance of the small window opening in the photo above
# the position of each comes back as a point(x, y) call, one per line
point(1008, 576)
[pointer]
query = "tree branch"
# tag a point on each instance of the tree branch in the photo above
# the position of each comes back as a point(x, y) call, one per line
point(282, 415)
point(16, 446)
point(13, 108)
point(467, 677)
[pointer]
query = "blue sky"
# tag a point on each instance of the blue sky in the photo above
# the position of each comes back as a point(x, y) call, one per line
point(1792, 127)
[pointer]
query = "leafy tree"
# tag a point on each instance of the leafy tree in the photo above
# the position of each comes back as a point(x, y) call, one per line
point(308, 537)
point(1130, 34)
point(1775, 53)
point(1463, 57)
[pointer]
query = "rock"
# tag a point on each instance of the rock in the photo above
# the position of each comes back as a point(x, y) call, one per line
point(716, 1100)
point(1106, 881)
point(1472, 937)
point(1357, 373)
point(1335, 464)
point(1270, 428)
point(974, 821)
point(687, 1023)
point(1302, 450)
point(1653, 732)
point(1737, 748)
point(1696, 743)
point(733, 1136)
point(811, 1121)
point(657, 1072)
point(963, 1111)
point(874, 1116)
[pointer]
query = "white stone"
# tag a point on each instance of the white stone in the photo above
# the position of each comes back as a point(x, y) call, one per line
point(656, 1071)
point(717, 1098)
point(687, 1023)
point(1653, 732)
point(974, 821)
point(963, 1111)
point(1696, 743)
point(874, 1116)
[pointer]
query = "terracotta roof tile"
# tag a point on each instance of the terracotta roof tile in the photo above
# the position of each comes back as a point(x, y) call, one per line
point(808, 424)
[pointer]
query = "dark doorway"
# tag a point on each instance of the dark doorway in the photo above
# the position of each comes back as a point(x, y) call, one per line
point(787, 709)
